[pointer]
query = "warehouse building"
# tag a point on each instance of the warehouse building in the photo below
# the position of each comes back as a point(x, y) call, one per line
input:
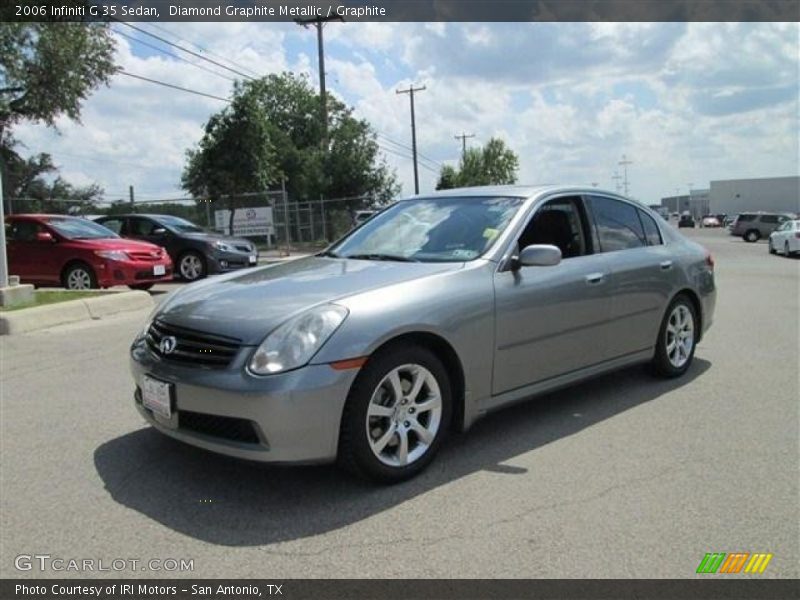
point(770, 194)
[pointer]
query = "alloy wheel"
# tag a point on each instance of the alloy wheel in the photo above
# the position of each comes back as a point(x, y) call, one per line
point(191, 267)
point(680, 336)
point(79, 279)
point(404, 415)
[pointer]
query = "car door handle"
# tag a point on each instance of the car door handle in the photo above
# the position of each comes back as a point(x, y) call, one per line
point(667, 264)
point(595, 278)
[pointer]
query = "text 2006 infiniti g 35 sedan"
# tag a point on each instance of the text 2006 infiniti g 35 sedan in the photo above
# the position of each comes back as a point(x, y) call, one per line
point(435, 311)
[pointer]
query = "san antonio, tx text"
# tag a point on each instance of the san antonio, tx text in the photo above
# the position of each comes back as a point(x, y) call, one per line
point(126, 589)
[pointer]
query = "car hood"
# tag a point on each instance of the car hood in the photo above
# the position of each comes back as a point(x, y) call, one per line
point(123, 244)
point(207, 236)
point(247, 305)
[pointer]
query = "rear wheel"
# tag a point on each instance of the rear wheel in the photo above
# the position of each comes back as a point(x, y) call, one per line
point(79, 276)
point(396, 415)
point(752, 235)
point(676, 339)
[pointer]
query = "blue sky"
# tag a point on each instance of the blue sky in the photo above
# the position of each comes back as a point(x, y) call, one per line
point(686, 102)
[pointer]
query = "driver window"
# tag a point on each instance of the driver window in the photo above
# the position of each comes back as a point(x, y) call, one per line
point(558, 223)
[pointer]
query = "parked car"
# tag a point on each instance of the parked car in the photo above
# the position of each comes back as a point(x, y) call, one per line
point(78, 254)
point(786, 238)
point(756, 225)
point(686, 220)
point(709, 221)
point(436, 311)
point(729, 221)
point(195, 251)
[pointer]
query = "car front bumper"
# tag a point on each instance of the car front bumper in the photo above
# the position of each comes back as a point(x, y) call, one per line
point(130, 272)
point(224, 262)
point(291, 417)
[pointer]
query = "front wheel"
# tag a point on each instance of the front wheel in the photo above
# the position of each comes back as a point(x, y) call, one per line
point(676, 339)
point(191, 266)
point(771, 247)
point(787, 252)
point(396, 415)
point(79, 277)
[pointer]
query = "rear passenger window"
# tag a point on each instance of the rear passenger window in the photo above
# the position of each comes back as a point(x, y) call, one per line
point(651, 232)
point(746, 217)
point(114, 225)
point(769, 218)
point(618, 225)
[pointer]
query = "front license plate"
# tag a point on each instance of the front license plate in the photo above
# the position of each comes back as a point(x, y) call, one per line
point(253, 260)
point(159, 270)
point(157, 396)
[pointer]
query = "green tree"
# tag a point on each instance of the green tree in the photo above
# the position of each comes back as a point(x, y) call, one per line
point(235, 155)
point(493, 164)
point(349, 166)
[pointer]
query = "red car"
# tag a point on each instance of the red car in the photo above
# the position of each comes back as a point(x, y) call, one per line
point(79, 254)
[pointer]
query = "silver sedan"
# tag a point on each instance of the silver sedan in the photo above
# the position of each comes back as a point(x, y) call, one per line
point(434, 312)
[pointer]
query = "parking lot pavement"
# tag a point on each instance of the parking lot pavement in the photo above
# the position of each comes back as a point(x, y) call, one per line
point(625, 476)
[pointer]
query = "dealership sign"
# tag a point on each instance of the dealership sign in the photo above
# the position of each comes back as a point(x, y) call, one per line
point(246, 221)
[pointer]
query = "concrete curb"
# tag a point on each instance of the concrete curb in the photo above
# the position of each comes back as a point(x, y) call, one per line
point(73, 311)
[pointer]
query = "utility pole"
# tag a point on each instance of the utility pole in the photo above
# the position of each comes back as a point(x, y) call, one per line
point(3, 257)
point(319, 23)
point(616, 179)
point(130, 193)
point(410, 91)
point(463, 137)
point(624, 164)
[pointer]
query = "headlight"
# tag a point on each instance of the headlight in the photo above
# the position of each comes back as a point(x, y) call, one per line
point(112, 254)
point(222, 246)
point(295, 342)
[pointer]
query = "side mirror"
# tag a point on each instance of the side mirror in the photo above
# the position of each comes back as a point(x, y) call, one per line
point(45, 236)
point(539, 255)
point(159, 231)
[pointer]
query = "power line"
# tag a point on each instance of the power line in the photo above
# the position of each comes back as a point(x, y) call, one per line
point(192, 52)
point(203, 49)
point(407, 148)
point(174, 87)
point(172, 54)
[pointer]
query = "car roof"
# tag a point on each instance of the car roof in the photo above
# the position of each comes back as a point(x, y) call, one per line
point(40, 216)
point(516, 191)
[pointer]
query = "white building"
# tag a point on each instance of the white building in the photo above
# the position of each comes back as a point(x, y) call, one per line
point(770, 194)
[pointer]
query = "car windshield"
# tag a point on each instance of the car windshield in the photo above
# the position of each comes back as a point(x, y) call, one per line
point(431, 230)
point(179, 224)
point(80, 229)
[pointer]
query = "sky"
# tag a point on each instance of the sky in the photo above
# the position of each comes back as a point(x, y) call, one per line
point(686, 103)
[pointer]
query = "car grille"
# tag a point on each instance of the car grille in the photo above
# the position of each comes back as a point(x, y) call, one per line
point(228, 428)
point(192, 347)
point(151, 256)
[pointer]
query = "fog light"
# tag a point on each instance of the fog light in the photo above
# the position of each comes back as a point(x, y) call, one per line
point(223, 263)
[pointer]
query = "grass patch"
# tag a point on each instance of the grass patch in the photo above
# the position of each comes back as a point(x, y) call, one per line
point(42, 298)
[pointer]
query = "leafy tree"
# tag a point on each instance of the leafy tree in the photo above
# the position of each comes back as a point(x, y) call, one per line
point(235, 155)
point(494, 164)
point(49, 69)
point(288, 107)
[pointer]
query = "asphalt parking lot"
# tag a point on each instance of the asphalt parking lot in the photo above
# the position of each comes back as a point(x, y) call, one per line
point(624, 476)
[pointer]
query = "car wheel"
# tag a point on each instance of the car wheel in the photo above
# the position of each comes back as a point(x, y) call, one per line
point(396, 415)
point(786, 251)
point(771, 248)
point(676, 339)
point(191, 266)
point(141, 286)
point(79, 277)
point(752, 236)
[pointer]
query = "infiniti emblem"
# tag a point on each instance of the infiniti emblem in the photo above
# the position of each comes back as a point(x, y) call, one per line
point(167, 344)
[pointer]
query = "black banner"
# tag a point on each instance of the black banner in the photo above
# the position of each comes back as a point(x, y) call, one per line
point(403, 10)
point(448, 589)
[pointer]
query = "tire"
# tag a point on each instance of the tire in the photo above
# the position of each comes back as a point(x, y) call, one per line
point(786, 251)
point(141, 286)
point(377, 425)
point(79, 276)
point(675, 362)
point(771, 249)
point(191, 266)
point(751, 235)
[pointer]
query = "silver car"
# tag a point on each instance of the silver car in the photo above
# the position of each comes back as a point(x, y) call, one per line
point(437, 311)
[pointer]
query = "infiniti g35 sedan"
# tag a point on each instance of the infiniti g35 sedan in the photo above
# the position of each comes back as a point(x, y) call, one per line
point(434, 312)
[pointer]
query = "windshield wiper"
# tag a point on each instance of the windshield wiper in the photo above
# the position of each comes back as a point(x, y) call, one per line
point(392, 257)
